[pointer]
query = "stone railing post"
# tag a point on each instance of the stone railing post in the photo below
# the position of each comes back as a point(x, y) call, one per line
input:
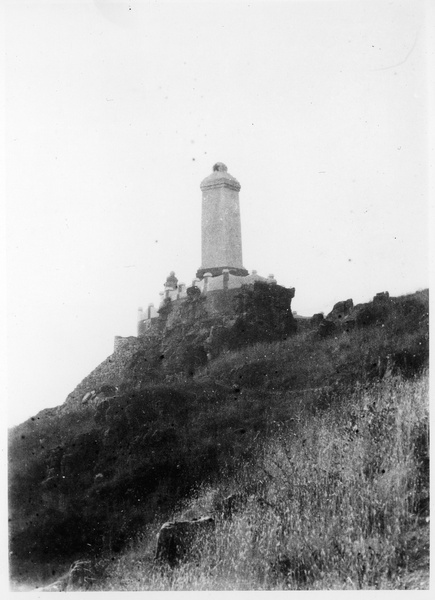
point(226, 274)
point(150, 306)
point(206, 278)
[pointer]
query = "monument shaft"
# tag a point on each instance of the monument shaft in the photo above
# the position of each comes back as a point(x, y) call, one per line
point(221, 227)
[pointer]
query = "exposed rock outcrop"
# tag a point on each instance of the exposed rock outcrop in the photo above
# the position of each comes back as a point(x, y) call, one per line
point(179, 540)
point(340, 310)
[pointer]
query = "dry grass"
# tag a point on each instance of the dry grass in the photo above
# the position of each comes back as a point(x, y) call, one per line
point(336, 506)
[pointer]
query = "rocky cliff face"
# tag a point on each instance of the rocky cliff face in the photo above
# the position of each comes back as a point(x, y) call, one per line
point(188, 334)
point(111, 372)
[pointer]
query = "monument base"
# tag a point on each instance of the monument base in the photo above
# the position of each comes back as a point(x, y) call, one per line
point(215, 271)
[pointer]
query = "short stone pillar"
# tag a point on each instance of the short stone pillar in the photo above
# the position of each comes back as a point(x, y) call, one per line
point(226, 278)
point(150, 306)
point(381, 298)
point(206, 278)
point(140, 323)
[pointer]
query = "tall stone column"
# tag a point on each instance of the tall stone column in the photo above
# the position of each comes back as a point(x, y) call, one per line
point(221, 227)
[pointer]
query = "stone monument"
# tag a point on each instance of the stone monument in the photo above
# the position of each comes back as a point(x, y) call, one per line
point(221, 228)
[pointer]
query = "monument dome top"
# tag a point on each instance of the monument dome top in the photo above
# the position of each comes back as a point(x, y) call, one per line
point(220, 177)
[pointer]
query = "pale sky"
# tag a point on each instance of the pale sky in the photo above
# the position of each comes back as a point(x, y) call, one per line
point(115, 112)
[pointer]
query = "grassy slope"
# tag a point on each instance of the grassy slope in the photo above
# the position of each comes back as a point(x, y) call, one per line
point(338, 504)
point(157, 443)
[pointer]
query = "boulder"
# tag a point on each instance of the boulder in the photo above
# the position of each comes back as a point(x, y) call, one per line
point(78, 576)
point(340, 310)
point(181, 540)
point(316, 319)
point(381, 298)
point(88, 396)
point(107, 390)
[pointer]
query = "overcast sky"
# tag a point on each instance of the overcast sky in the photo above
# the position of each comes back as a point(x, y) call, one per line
point(117, 111)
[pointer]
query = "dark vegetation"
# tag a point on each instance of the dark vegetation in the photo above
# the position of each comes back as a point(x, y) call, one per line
point(258, 313)
point(85, 480)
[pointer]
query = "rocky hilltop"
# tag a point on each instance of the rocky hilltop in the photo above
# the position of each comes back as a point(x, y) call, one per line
point(188, 334)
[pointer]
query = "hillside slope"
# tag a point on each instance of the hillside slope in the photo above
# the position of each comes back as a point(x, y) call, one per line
point(85, 477)
point(340, 502)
